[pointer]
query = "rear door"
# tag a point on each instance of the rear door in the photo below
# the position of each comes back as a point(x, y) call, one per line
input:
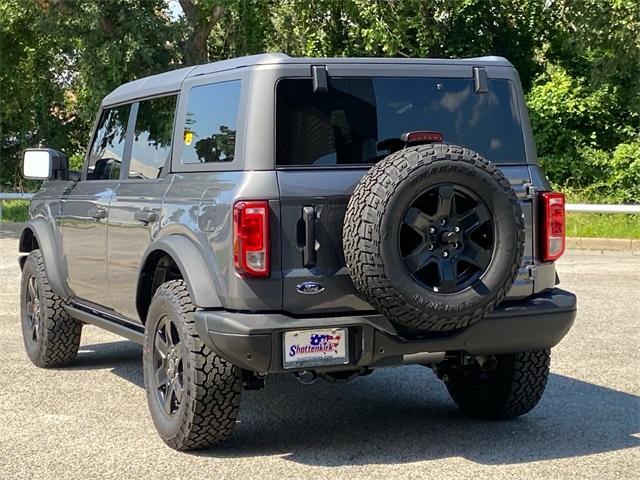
point(135, 210)
point(326, 142)
point(313, 204)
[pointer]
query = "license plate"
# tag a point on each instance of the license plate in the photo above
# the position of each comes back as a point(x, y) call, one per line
point(315, 348)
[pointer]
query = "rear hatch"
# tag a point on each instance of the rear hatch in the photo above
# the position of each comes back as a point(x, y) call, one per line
point(326, 142)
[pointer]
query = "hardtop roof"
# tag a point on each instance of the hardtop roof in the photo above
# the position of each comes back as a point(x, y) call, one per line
point(172, 80)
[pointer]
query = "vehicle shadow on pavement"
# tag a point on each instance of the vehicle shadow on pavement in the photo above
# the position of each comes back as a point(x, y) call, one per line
point(402, 415)
point(124, 358)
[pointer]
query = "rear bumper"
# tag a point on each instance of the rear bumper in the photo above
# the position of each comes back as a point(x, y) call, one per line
point(254, 341)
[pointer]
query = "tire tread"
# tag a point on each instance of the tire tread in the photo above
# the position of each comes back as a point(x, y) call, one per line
point(62, 332)
point(362, 237)
point(213, 388)
point(516, 392)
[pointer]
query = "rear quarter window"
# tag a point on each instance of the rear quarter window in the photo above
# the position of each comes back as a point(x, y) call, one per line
point(351, 122)
point(210, 126)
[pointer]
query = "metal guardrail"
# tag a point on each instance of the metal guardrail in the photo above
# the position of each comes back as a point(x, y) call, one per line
point(13, 196)
point(16, 196)
point(593, 208)
point(570, 207)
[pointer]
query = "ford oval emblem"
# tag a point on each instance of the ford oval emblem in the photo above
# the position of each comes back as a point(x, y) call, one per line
point(309, 288)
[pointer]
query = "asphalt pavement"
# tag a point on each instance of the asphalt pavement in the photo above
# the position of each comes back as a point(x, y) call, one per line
point(91, 420)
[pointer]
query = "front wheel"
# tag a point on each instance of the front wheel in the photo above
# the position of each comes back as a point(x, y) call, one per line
point(511, 389)
point(193, 394)
point(51, 337)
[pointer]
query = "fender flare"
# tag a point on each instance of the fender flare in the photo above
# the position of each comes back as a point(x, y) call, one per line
point(42, 231)
point(195, 270)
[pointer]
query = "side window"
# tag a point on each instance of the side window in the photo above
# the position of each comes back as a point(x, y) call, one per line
point(211, 122)
point(107, 149)
point(152, 137)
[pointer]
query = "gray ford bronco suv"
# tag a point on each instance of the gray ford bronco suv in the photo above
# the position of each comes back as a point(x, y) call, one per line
point(320, 217)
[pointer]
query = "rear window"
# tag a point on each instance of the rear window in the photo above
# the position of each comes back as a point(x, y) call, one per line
point(350, 123)
point(152, 137)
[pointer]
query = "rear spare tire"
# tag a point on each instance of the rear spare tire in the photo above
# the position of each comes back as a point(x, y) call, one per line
point(434, 237)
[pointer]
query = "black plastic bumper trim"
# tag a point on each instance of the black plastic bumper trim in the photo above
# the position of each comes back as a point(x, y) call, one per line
point(254, 341)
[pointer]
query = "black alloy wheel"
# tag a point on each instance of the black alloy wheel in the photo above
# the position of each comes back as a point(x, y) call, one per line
point(168, 381)
point(51, 336)
point(33, 310)
point(446, 239)
point(433, 237)
point(193, 394)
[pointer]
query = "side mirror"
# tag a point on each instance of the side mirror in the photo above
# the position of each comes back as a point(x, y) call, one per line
point(45, 164)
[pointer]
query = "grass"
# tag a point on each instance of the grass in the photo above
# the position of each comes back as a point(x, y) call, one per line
point(597, 225)
point(603, 225)
point(15, 211)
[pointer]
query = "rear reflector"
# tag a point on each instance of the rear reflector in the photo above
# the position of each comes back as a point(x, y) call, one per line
point(251, 238)
point(552, 226)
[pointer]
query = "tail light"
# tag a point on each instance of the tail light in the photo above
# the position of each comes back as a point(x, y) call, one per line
point(251, 238)
point(553, 229)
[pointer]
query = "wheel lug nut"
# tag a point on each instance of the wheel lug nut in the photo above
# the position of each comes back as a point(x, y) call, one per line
point(443, 221)
point(432, 230)
point(445, 254)
point(430, 247)
point(456, 229)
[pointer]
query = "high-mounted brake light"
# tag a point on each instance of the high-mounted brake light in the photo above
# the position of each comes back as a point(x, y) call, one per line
point(421, 137)
point(552, 225)
point(251, 238)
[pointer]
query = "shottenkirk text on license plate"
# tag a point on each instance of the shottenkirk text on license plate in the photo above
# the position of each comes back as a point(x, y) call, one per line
point(315, 348)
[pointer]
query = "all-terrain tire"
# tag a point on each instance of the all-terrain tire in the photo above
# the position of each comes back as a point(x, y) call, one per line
point(511, 390)
point(51, 337)
point(211, 385)
point(371, 236)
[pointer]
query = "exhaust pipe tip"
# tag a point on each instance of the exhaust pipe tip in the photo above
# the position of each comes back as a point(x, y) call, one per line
point(487, 363)
point(306, 377)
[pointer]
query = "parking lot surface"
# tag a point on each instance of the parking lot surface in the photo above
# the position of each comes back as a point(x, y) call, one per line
point(91, 420)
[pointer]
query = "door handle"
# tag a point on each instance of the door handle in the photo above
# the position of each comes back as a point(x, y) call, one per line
point(309, 249)
point(146, 216)
point(98, 212)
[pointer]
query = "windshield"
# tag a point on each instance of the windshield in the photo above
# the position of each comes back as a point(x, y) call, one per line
point(349, 124)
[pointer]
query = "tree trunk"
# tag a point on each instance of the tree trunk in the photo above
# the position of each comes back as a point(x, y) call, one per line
point(202, 22)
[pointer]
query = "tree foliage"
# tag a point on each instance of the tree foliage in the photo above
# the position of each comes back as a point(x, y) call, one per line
point(578, 60)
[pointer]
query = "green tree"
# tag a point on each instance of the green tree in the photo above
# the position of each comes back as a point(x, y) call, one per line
point(585, 106)
point(411, 28)
point(201, 17)
point(33, 101)
point(59, 59)
point(598, 40)
point(578, 61)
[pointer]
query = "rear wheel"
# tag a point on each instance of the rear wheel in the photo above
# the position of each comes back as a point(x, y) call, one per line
point(51, 337)
point(511, 389)
point(193, 394)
